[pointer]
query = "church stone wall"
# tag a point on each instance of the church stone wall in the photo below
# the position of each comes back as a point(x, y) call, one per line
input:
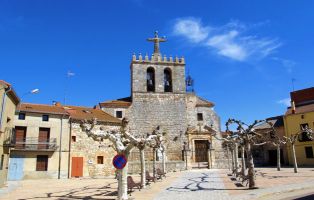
point(165, 110)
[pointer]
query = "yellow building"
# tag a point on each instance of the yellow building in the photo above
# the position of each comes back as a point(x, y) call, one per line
point(301, 114)
point(8, 103)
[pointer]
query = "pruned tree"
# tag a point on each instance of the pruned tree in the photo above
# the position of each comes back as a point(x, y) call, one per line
point(123, 142)
point(246, 134)
point(158, 143)
point(277, 141)
point(307, 133)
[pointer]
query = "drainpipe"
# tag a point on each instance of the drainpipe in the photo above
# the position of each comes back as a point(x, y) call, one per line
point(69, 155)
point(60, 146)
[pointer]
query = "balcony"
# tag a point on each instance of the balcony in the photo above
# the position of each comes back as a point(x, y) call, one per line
point(32, 144)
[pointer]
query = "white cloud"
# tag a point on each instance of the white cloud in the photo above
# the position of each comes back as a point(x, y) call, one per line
point(287, 64)
point(228, 40)
point(285, 102)
point(192, 29)
point(225, 45)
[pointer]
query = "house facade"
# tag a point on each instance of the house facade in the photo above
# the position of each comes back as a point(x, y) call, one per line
point(39, 145)
point(298, 116)
point(266, 155)
point(8, 102)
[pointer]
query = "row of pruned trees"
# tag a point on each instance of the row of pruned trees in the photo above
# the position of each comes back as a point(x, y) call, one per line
point(123, 142)
point(243, 136)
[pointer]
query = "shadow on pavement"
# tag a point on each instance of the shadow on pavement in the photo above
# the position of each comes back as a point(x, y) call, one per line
point(195, 185)
point(87, 192)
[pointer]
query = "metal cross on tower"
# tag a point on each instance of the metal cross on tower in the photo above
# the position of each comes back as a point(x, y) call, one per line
point(156, 41)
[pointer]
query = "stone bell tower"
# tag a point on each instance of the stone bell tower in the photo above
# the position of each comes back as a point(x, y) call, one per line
point(158, 96)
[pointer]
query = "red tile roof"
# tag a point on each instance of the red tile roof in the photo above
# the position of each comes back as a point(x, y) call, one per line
point(203, 103)
point(302, 96)
point(119, 103)
point(11, 92)
point(41, 108)
point(81, 113)
point(75, 112)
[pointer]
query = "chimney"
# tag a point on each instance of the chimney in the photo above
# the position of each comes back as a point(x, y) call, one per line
point(292, 107)
point(56, 103)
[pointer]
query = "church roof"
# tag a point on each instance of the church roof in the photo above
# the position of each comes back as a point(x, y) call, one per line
point(81, 113)
point(200, 102)
point(119, 103)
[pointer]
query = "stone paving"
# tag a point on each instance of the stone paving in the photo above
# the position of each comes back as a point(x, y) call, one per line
point(194, 184)
point(198, 184)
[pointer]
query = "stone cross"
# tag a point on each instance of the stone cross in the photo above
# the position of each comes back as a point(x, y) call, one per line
point(156, 41)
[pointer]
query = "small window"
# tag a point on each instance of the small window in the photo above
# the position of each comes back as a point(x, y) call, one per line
point(304, 137)
point(199, 116)
point(45, 118)
point(21, 116)
point(100, 160)
point(73, 138)
point(119, 114)
point(42, 163)
point(2, 160)
point(309, 152)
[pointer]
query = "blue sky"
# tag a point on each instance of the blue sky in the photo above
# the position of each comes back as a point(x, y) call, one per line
point(242, 54)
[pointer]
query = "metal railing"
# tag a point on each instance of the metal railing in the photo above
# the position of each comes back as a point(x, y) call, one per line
point(32, 144)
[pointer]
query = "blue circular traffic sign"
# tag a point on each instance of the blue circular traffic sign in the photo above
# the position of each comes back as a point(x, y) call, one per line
point(119, 161)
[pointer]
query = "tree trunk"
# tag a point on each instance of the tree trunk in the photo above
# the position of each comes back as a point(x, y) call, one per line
point(243, 160)
point(232, 160)
point(122, 182)
point(228, 158)
point(251, 172)
point(236, 157)
point(163, 161)
point(143, 168)
point(295, 164)
point(154, 162)
point(278, 157)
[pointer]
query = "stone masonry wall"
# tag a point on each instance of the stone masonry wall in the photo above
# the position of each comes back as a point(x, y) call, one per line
point(89, 149)
point(165, 110)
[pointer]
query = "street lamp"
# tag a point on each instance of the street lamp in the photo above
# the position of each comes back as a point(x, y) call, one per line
point(34, 91)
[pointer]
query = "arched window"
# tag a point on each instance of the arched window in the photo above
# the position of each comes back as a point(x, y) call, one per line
point(167, 80)
point(150, 77)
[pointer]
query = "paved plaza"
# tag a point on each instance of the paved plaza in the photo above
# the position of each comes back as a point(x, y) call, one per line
point(194, 184)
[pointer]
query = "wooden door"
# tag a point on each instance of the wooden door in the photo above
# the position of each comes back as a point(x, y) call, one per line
point(43, 138)
point(201, 150)
point(20, 137)
point(77, 167)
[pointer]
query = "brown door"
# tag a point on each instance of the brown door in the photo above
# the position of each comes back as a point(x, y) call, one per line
point(20, 137)
point(201, 148)
point(77, 167)
point(43, 138)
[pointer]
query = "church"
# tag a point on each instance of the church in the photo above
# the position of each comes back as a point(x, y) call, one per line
point(46, 141)
point(159, 97)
